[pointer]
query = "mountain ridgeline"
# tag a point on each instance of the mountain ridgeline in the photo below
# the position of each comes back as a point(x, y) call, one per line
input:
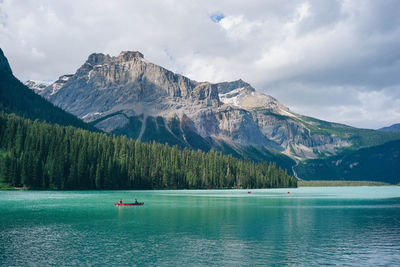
point(376, 163)
point(395, 128)
point(38, 155)
point(17, 98)
point(128, 95)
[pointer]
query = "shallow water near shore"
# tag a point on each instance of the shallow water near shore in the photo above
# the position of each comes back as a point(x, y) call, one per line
point(306, 227)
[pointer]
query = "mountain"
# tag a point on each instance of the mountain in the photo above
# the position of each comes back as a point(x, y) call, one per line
point(377, 163)
point(46, 89)
point(18, 98)
point(395, 128)
point(36, 86)
point(126, 94)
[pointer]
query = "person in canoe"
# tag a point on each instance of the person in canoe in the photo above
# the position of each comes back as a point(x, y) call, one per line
point(136, 201)
point(120, 201)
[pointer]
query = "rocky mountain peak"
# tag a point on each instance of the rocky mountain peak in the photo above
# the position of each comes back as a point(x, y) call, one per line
point(98, 59)
point(226, 87)
point(125, 56)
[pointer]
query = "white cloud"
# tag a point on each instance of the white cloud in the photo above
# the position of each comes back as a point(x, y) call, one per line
point(237, 27)
point(298, 51)
point(231, 21)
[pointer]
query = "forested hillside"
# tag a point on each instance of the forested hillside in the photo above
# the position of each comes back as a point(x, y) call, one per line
point(38, 155)
point(19, 99)
point(378, 163)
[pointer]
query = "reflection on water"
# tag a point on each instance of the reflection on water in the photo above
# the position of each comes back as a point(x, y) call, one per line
point(309, 226)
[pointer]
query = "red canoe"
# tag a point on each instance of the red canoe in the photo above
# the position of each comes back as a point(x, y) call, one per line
point(130, 204)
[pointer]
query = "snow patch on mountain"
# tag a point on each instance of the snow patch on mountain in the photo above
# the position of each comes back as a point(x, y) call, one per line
point(233, 97)
point(47, 89)
point(92, 116)
point(37, 86)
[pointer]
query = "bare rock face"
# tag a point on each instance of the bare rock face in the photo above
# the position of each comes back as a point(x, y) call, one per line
point(127, 94)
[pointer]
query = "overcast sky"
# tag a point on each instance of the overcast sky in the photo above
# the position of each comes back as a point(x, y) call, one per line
point(334, 60)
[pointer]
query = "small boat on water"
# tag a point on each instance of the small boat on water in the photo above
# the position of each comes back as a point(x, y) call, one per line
point(129, 204)
point(136, 203)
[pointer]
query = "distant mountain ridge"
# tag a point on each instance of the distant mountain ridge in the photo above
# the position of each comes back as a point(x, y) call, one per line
point(376, 163)
point(395, 128)
point(126, 94)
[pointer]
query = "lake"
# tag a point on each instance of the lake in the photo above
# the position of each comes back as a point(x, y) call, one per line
point(316, 226)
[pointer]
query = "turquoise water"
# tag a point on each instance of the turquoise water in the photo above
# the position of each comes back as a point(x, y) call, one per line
point(357, 226)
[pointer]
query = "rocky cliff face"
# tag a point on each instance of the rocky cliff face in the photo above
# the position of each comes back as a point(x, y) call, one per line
point(128, 95)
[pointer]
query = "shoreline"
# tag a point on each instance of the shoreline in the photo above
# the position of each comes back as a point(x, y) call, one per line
point(338, 183)
point(303, 184)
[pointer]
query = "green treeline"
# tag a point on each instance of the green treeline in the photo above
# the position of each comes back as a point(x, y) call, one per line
point(38, 155)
